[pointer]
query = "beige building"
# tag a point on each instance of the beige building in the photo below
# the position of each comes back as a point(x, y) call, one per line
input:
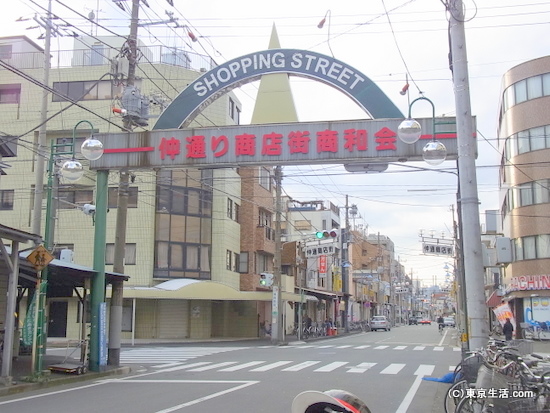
point(184, 227)
point(524, 140)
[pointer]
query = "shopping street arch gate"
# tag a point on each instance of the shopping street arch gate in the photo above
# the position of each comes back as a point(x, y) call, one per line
point(171, 144)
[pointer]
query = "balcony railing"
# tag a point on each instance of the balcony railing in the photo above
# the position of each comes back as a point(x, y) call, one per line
point(98, 57)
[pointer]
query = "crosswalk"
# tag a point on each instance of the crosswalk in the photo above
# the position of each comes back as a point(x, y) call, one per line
point(365, 346)
point(166, 356)
point(309, 366)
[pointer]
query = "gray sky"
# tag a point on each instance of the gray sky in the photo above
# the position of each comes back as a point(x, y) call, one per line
point(410, 41)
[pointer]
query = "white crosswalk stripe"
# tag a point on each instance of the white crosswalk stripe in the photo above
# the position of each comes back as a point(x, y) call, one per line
point(361, 367)
point(331, 366)
point(393, 368)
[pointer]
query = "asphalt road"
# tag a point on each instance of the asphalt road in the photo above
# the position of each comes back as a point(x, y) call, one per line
point(384, 369)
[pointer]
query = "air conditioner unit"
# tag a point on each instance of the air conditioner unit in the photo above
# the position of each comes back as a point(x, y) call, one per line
point(66, 255)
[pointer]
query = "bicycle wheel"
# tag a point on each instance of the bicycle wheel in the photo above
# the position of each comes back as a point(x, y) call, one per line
point(527, 333)
point(454, 394)
point(473, 405)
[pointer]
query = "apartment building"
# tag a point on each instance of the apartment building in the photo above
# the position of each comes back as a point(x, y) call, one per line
point(524, 142)
point(183, 252)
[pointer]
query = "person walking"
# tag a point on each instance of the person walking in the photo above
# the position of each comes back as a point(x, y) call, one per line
point(508, 330)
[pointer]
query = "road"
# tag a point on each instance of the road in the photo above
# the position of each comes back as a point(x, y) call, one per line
point(384, 369)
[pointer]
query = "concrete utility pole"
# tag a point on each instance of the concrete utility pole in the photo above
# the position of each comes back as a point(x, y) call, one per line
point(345, 264)
point(277, 301)
point(41, 154)
point(122, 208)
point(472, 252)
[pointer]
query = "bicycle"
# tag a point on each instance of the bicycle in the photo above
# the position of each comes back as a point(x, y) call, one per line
point(441, 327)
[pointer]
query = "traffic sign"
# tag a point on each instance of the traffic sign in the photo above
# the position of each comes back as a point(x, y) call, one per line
point(40, 257)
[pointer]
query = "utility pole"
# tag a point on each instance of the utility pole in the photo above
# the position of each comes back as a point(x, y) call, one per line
point(345, 264)
point(277, 300)
point(466, 142)
point(41, 154)
point(122, 206)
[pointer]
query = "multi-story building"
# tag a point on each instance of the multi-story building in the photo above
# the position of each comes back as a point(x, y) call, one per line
point(184, 226)
point(524, 141)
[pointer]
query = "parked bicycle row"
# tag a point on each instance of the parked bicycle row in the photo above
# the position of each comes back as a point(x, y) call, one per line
point(503, 377)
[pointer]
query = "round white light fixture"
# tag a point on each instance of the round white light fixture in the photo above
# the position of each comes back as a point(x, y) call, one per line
point(92, 149)
point(72, 170)
point(409, 131)
point(434, 153)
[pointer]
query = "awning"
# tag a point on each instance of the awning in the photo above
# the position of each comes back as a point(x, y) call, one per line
point(494, 299)
point(323, 295)
point(191, 289)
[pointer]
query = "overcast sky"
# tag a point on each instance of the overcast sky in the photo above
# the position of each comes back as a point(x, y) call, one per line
point(387, 40)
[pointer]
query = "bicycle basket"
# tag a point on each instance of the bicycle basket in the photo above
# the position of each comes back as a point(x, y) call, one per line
point(524, 347)
point(470, 367)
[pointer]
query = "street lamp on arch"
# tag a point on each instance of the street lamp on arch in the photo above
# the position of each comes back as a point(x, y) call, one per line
point(410, 130)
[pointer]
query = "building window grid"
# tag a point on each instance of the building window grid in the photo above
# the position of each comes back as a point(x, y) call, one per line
point(526, 89)
point(532, 247)
point(527, 141)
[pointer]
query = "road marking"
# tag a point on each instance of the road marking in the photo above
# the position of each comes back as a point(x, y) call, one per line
point(438, 348)
point(163, 366)
point(271, 366)
point(400, 348)
point(210, 396)
point(183, 366)
point(393, 368)
point(380, 347)
point(419, 348)
point(346, 346)
point(361, 367)
point(331, 366)
point(243, 366)
point(213, 366)
point(362, 347)
point(457, 349)
point(423, 370)
point(301, 366)
point(327, 346)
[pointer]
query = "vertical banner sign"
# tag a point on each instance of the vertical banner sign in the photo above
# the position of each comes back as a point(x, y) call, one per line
point(274, 307)
point(103, 334)
point(27, 333)
point(322, 264)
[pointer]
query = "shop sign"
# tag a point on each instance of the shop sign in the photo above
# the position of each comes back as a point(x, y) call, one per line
point(529, 282)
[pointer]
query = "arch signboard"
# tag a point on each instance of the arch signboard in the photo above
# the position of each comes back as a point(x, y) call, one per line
point(245, 69)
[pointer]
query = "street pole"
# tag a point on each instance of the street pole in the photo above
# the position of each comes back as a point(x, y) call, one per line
point(277, 300)
point(345, 265)
point(42, 139)
point(472, 252)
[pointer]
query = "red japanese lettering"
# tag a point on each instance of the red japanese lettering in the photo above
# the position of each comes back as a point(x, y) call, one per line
point(355, 138)
point(169, 147)
point(245, 144)
point(216, 142)
point(196, 148)
point(299, 141)
point(385, 138)
point(271, 144)
point(327, 141)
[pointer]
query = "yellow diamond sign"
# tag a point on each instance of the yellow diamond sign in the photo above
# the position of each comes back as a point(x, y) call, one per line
point(40, 257)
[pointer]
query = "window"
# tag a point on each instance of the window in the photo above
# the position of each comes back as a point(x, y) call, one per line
point(85, 90)
point(58, 248)
point(264, 218)
point(243, 262)
point(265, 178)
point(71, 198)
point(5, 51)
point(262, 263)
point(529, 250)
point(129, 254)
point(236, 260)
point(534, 87)
point(10, 93)
point(520, 89)
point(6, 199)
point(543, 246)
point(132, 197)
point(229, 208)
point(228, 260)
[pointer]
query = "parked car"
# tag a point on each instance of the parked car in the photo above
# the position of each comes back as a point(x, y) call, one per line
point(413, 320)
point(448, 321)
point(380, 322)
point(425, 321)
